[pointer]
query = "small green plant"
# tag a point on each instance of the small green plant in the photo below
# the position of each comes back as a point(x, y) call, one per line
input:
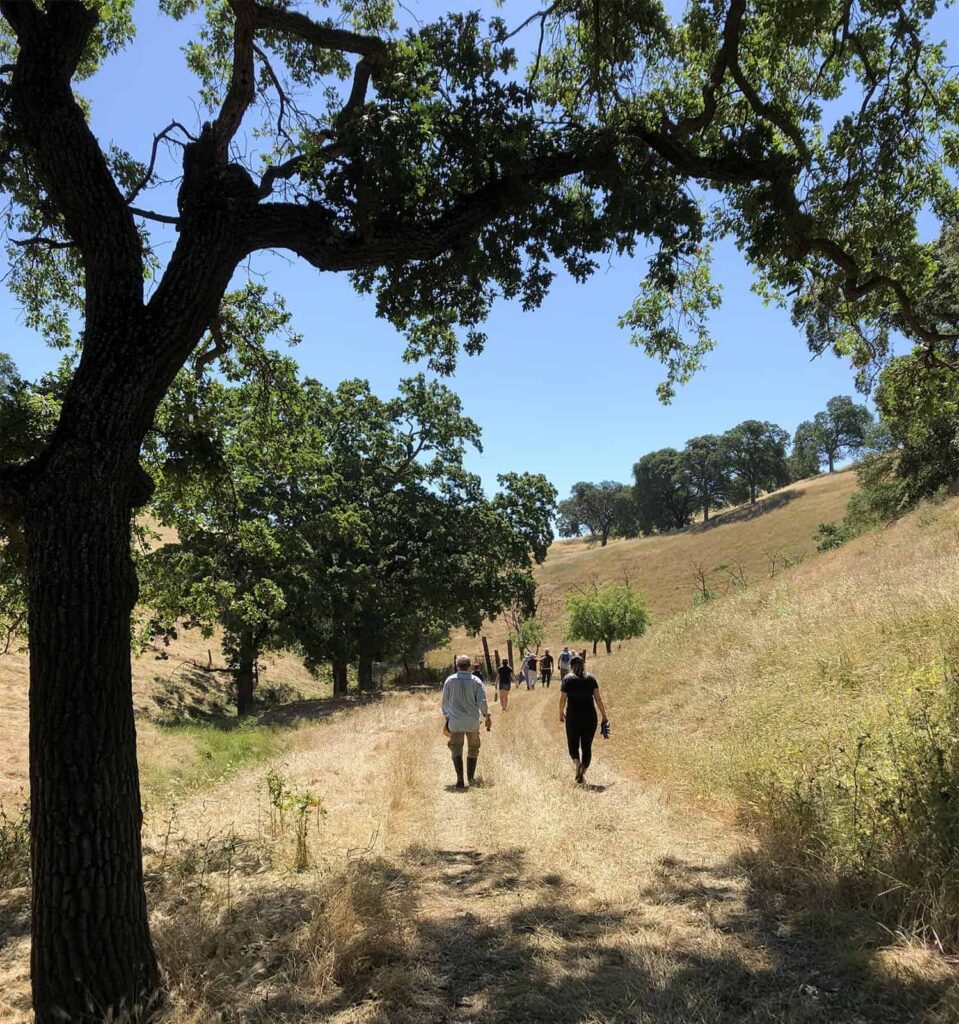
point(15, 847)
point(285, 800)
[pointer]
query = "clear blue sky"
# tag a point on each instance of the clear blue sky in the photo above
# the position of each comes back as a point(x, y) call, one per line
point(761, 368)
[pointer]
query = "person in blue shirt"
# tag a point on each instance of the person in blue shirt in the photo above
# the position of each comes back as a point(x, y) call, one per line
point(464, 704)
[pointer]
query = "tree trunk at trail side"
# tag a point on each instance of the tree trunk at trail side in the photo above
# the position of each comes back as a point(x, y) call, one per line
point(752, 494)
point(245, 679)
point(365, 672)
point(92, 958)
point(595, 645)
point(339, 679)
point(609, 646)
point(832, 462)
point(705, 513)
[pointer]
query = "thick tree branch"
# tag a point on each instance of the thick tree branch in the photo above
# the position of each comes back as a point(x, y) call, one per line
point(280, 172)
point(361, 79)
point(308, 231)
point(50, 125)
point(325, 37)
point(240, 94)
point(690, 125)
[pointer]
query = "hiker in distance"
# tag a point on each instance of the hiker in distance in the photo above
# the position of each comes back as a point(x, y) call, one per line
point(530, 664)
point(579, 698)
point(546, 668)
point(564, 656)
point(504, 677)
point(464, 704)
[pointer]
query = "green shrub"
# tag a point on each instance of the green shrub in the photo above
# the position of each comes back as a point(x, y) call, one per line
point(875, 821)
point(830, 535)
point(877, 502)
point(872, 506)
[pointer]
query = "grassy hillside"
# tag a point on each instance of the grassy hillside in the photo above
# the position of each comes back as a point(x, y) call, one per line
point(821, 705)
point(780, 525)
point(170, 685)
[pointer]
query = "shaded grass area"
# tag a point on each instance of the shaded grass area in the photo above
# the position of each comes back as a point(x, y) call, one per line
point(440, 935)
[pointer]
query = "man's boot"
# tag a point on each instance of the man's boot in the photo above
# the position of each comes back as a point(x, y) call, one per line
point(471, 769)
point(458, 765)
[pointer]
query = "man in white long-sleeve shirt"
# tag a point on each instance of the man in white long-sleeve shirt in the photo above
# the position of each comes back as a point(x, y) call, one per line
point(464, 703)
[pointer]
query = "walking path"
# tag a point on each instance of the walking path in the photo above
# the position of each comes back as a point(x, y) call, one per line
point(524, 899)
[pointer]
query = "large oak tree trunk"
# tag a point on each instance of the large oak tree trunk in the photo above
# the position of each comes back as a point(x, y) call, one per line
point(91, 954)
point(365, 672)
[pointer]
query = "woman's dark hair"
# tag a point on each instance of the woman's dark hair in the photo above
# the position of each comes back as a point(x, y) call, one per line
point(575, 660)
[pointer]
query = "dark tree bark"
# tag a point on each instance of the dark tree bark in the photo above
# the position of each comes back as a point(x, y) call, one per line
point(246, 677)
point(831, 459)
point(595, 645)
point(91, 952)
point(752, 494)
point(339, 679)
point(609, 646)
point(365, 672)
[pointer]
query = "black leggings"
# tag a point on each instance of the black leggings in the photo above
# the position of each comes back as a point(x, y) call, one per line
point(579, 735)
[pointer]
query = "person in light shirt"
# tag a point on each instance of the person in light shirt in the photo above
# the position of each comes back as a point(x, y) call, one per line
point(464, 705)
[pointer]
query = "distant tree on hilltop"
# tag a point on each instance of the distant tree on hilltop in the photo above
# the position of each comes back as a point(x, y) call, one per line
point(662, 496)
point(602, 509)
point(705, 470)
point(756, 454)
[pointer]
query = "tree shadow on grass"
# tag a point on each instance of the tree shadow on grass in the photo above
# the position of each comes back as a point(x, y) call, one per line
point(745, 513)
point(456, 935)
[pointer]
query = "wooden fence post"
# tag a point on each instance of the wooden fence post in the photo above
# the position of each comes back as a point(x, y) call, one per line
point(489, 664)
point(509, 652)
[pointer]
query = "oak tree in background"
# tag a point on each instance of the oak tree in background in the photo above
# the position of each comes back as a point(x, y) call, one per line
point(804, 458)
point(705, 471)
point(841, 429)
point(755, 452)
point(336, 523)
point(662, 497)
point(601, 510)
point(440, 174)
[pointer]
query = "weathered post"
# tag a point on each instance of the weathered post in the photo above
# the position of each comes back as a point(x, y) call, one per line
point(489, 664)
point(509, 652)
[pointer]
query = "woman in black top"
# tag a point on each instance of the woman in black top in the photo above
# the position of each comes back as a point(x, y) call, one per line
point(579, 696)
point(505, 681)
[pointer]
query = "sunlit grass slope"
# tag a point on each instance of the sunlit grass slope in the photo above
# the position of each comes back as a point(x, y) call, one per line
point(780, 526)
point(716, 691)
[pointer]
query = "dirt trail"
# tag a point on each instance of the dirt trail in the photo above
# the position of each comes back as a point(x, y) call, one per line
point(525, 899)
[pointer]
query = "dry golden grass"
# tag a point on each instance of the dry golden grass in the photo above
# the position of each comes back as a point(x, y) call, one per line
point(780, 525)
point(169, 684)
point(740, 683)
point(525, 899)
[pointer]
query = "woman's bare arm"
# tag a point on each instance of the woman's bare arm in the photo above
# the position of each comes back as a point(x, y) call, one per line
point(599, 702)
point(562, 707)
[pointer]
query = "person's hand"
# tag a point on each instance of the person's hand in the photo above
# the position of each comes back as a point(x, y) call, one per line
point(489, 722)
point(562, 717)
